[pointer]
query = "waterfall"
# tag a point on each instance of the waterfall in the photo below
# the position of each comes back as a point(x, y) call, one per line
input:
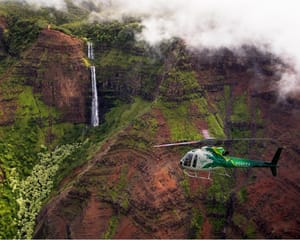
point(94, 112)
point(90, 50)
point(95, 115)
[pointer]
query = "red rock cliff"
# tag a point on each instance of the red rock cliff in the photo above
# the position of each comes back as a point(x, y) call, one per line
point(54, 67)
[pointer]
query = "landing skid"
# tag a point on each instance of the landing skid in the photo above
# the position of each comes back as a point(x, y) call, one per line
point(194, 174)
point(224, 174)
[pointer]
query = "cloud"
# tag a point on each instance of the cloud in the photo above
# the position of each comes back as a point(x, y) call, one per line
point(58, 4)
point(272, 25)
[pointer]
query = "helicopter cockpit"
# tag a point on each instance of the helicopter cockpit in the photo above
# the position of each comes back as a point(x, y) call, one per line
point(195, 159)
point(190, 159)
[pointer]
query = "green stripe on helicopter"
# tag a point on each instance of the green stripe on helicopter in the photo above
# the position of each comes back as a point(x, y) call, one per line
point(219, 160)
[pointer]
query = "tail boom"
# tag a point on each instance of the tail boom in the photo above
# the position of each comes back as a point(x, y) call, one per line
point(246, 163)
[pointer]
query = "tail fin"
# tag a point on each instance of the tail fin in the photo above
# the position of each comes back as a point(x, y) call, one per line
point(275, 161)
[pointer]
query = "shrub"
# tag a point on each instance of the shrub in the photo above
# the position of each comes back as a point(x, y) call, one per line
point(34, 190)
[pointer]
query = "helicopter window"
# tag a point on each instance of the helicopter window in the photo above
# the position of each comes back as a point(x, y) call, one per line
point(195, 160)
point(188, 160)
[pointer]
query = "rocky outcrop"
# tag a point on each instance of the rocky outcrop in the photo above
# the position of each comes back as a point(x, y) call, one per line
point(55, 68)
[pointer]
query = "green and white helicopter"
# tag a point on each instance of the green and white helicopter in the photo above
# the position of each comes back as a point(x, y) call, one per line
point(209, 158)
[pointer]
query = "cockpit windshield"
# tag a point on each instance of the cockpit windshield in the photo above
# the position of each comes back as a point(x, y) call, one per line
point(188, 160)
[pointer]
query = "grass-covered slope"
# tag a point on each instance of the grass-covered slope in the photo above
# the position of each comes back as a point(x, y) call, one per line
point(28, 126)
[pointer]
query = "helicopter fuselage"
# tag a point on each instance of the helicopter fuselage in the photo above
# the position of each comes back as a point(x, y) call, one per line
point(211, 158)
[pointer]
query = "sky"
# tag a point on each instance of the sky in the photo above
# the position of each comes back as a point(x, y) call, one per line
point(270, 25)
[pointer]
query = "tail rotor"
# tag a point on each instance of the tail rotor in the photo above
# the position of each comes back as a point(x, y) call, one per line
point(275, 161)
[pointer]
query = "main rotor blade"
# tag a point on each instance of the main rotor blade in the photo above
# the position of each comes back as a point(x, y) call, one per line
point(176, 144)
point(247, 139)
point(184, 143)
point(214, 141)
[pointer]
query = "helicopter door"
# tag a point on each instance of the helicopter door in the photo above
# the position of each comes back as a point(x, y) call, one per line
point(195, 161)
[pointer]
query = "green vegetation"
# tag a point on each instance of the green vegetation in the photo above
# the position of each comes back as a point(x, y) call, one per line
point(180, 85)
point(24, 23)
point(22, 33)
point(240, 110)
point(21, 143)
point(27, 133)
point(250, 231)
point(222, 102)
point(119, 117)
point(124, 113)
point(8, 209)
point(111, 229)
point(111, 34)
point(242, 195)
point(143, 132)
point(34, 190)
point(179, 121)
point(86, 62)
point(214, 121)
point(196, 224)
point(37, 151)
point(227, 92)
point(246, 225)
point(185, 183)
point(258, 116)
point(217, 199)
point(130, 70)
point(118, 194)
point(80, 156)
point(6, 63)
point(122, 59)
point(214, 126)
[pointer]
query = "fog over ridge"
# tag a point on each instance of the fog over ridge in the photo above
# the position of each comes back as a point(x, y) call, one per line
point(270, 25)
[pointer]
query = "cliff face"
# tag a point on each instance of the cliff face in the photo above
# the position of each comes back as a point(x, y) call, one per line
point(130, 190)
point(55, 68)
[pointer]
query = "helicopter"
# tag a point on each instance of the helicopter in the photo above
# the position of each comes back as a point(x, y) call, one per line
point(209, 158)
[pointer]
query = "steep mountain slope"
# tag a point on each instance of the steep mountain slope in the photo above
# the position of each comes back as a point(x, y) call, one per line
point(109, 182)
point(130, 190)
